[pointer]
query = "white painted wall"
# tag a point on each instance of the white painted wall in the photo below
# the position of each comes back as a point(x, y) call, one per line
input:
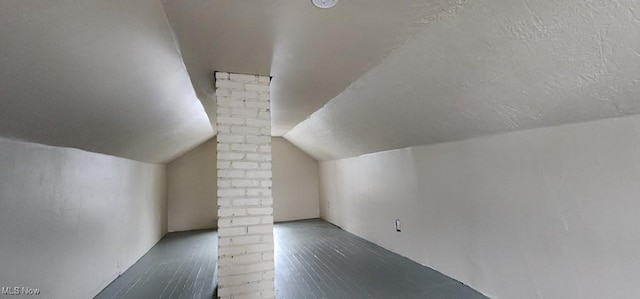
point(295, 183)
point(191, 185)
point(544, 213)
point(71, 221)
point(192, 198)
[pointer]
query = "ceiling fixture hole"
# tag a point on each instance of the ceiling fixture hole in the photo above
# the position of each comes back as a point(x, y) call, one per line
point(324, 3)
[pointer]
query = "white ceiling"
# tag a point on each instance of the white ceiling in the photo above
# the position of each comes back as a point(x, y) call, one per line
point(364, 76)
point(313, 54)
point(104, 76)
point(492, 66)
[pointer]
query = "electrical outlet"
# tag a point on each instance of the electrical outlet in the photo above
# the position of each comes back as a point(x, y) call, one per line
point(398, 228)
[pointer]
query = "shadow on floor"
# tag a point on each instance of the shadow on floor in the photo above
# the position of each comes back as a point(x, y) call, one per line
point(315, 259)
point(181, 265)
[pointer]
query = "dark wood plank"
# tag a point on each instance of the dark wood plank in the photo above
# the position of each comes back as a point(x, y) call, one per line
point(181, 265)
point(315, 259)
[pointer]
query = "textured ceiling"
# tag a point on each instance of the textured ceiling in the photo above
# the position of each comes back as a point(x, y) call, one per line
point(364, 76)
point(313, 54)
point(104, 76)
point(489, 67)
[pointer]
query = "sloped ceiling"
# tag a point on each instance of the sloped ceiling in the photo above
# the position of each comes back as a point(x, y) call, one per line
point(364, 76)
point(490, 67)
point(103, 76)
point(313, 54)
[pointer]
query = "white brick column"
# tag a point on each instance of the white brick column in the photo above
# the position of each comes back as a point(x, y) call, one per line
point(245, 213)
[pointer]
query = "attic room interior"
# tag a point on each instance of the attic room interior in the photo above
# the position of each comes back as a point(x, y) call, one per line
point(320, 149)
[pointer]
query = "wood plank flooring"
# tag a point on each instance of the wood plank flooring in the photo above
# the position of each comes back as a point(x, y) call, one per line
point(313, 259)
